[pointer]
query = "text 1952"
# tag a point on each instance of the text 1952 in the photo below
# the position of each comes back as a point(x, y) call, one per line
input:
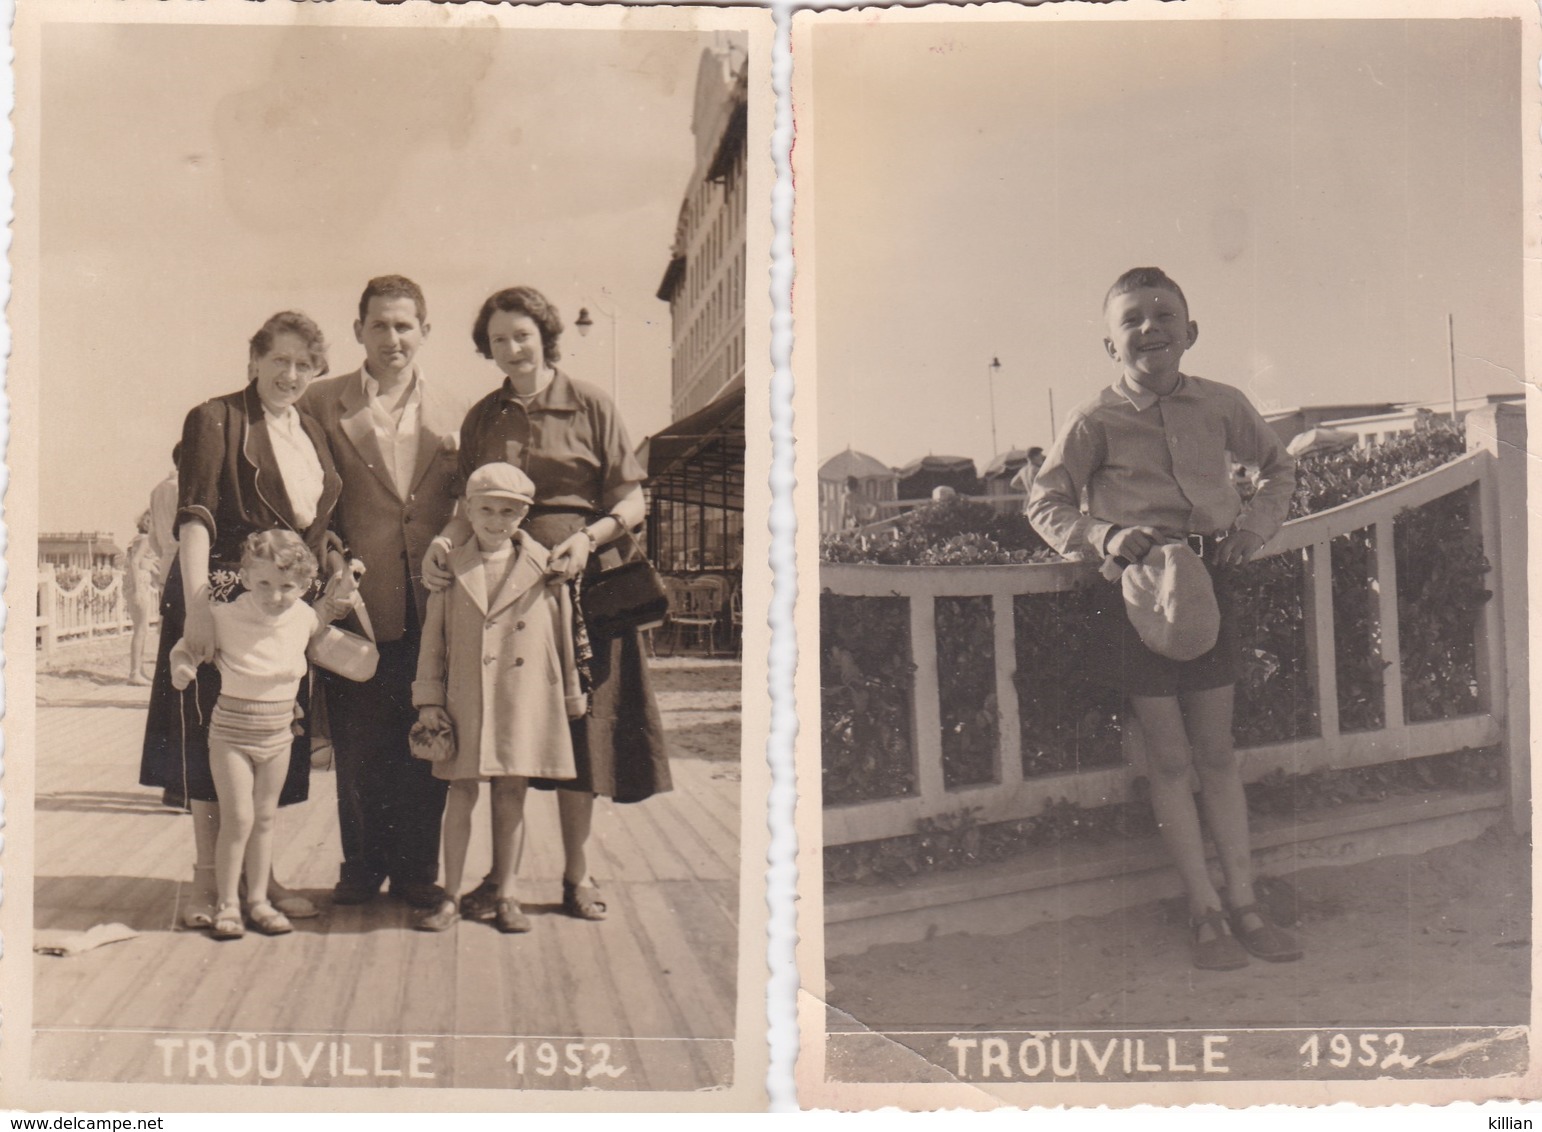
point(573, 1059)
point(1340, 1050)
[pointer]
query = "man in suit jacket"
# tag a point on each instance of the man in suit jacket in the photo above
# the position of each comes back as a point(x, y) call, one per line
point(394, 437)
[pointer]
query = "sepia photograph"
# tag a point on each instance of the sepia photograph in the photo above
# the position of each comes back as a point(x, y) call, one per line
point(394, 372)
point(1169, 384)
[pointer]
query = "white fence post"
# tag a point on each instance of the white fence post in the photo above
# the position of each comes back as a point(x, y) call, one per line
point(48, 608)
point(1501, 429)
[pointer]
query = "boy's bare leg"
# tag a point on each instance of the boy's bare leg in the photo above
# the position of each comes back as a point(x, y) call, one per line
point(459, 806)
point(508, 815)
point(1167, 753)
point(1208, 716)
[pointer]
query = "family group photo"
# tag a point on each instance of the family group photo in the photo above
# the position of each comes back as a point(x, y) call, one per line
point(1171, 555)
point(391, 384)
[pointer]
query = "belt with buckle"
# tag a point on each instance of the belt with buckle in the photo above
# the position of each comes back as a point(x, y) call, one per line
point(1205, 546)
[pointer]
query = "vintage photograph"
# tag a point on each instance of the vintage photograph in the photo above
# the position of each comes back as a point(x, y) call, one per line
point(392, 371)
point(1171, 478)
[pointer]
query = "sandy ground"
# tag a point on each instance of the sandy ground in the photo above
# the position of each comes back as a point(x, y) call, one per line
point(1439, 938)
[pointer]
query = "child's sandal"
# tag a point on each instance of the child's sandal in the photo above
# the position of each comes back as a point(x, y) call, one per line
point(227, 922)
point(581, 901)
point(268, 919)
point(1267, 941)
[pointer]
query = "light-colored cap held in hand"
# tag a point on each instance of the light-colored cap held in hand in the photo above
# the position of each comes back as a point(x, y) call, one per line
point(503, 480)
point(1171, 603)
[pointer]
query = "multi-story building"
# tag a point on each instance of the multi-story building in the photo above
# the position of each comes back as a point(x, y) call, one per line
point(704, 283)
point(696, 465)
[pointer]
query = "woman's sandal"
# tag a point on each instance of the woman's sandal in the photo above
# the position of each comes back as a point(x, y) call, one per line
point(581, 901)
point(199, 912)
point(268, 919)
point(1221, 952)
point(1267, 941)
point(227, 922)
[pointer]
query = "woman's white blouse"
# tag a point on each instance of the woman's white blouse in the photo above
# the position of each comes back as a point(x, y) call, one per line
point(298, 464)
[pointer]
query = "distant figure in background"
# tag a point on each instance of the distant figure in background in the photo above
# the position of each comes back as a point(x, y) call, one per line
point(943, 493)
point(1023, 481)
point(163, 519)
point(859, 508)
point(141, 587)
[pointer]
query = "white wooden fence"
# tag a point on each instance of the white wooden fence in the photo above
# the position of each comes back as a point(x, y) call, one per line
point(81, 611)
point(1496, 463)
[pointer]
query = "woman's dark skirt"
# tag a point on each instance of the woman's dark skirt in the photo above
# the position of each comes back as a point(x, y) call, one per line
point(619, 746)
point(176, 748)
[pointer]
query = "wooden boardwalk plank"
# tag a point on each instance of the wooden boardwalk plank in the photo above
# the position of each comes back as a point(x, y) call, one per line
point(661, 967)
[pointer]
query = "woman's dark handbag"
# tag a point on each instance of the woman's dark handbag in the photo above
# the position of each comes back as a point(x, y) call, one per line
point(625, 598)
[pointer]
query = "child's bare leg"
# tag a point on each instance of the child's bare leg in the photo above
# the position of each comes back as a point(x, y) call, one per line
point(233, 778)
point(1167, 754)
point(459, 805)
point(267, 783)
point(508, 815)
point(1207, 716)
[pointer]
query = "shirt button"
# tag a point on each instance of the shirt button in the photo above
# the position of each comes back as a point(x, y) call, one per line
point(519, 662)
point(519, 625)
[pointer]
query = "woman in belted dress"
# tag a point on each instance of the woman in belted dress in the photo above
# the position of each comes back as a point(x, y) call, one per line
point(250, 461)
point(567, 436)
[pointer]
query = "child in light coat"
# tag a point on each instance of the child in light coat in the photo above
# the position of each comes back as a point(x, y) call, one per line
point(497, 664)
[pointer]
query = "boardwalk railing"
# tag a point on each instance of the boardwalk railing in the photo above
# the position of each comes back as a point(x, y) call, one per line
point(81, 611)
point(1495, 463)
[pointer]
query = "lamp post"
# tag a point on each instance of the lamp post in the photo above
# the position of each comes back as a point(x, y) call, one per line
point(990, 383)
point(584, 324)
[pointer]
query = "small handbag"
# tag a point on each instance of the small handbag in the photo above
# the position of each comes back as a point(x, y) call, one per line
point(347, 653)
point(625, 598)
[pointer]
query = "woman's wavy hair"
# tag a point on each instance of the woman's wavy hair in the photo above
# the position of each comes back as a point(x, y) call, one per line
point(526, 301)
point(285, 549)
point(302, 327)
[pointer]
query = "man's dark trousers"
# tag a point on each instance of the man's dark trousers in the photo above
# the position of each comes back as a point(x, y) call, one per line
point(389, 804)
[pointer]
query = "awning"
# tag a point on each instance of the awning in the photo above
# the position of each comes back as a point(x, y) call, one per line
point(700, 458)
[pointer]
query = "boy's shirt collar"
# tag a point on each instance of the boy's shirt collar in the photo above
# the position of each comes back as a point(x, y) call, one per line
point(1141, 397)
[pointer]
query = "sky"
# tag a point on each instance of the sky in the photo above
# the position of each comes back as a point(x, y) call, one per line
point(1325, 192)
point(198, 179)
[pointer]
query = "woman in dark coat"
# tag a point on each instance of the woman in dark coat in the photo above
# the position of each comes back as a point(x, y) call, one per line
point(567, 436)
point(250, 462)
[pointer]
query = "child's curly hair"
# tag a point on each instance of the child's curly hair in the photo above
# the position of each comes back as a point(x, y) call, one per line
point(285, 549)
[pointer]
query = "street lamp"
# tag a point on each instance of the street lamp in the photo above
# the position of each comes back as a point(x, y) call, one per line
point(584, 324)
point(990, 383)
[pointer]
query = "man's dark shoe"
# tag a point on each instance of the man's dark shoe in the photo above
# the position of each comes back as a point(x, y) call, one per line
point(354, 892)
point(418, 893)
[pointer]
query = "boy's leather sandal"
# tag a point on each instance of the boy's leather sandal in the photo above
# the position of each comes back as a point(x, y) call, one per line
point(508, 916)
point(1267, 941)
point(481, 902)
point(1221, 952)
point(439, 919)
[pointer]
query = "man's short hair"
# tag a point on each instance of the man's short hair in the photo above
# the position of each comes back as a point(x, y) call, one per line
point(393, 287)
point(1138, 277)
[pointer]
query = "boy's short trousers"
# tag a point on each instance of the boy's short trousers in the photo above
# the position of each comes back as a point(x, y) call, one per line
point(1116, 656)
point(257, 730)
